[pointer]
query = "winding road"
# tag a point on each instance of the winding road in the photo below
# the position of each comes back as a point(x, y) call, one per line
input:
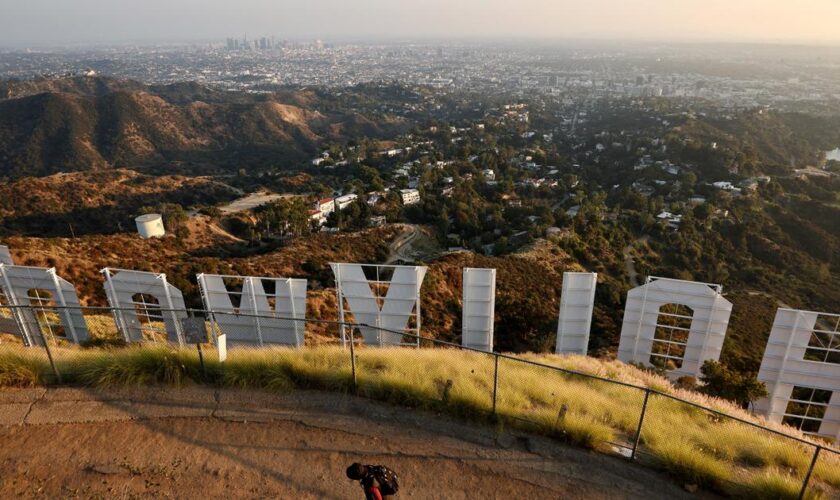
point(402, 249)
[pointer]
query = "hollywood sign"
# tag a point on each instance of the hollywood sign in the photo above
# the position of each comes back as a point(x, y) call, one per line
point(673, 324)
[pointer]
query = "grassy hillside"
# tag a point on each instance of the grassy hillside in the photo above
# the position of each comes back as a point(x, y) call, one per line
point(698, 448)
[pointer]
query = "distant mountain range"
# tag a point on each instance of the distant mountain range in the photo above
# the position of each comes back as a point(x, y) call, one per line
point(79, 124)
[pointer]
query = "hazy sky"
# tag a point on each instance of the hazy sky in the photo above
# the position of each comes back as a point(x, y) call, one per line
point(85, 21)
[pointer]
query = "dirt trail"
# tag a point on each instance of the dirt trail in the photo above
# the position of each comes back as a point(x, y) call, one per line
point(630, 261)
point(243, 444)
point(219, 231)
point(253, 200)
point(630, 266)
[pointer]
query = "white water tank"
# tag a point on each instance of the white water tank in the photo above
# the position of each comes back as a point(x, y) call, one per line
point(150, 226)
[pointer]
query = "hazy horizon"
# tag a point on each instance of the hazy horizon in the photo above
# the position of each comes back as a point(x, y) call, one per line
point(76, 22)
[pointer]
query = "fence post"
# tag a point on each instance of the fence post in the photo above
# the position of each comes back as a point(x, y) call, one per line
point(495, 382)
point(641, 421)
point(810, 470)
point(353, 359)
point(49, 354)
point(191, 315)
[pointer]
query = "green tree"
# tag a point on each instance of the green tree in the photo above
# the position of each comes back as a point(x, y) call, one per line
point(703, 211)
point(721, 381)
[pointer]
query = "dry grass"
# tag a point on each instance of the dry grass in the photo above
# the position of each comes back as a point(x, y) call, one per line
point(18, 368)
point(692, 444)
point(683, 460)
point(777, 485)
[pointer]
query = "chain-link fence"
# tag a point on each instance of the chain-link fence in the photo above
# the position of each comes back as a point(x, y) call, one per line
point(711, 449)
point(577, 407)
point(826, 472)
point(698, 444)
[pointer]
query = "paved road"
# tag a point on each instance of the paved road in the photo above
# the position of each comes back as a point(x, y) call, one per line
point(181, 443)
point(401, 247)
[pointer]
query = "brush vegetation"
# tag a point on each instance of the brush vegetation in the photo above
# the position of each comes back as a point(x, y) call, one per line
point(695, 445)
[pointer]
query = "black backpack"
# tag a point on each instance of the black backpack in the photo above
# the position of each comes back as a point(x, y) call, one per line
point(387, 479)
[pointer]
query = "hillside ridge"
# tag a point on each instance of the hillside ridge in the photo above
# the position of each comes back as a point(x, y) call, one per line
point(78, 124)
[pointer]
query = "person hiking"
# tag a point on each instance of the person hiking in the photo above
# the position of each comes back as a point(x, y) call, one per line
point(378, 481)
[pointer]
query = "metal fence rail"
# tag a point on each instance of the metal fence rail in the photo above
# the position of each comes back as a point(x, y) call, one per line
point(704, 446)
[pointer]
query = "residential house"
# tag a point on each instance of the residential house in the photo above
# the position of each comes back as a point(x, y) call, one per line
point(343, 202)
point(410, 196)
point(325, 206)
